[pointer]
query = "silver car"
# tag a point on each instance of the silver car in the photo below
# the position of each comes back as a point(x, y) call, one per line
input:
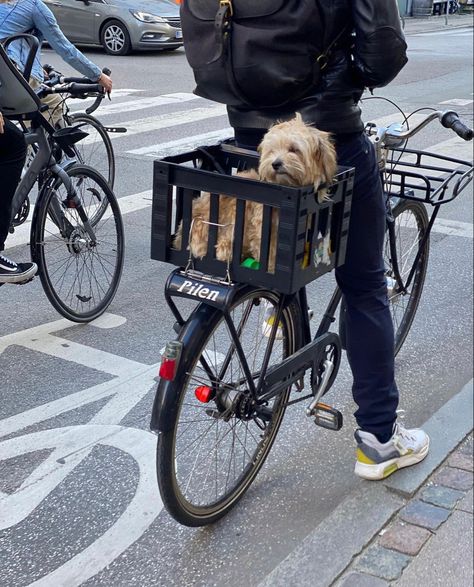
point(120, 26)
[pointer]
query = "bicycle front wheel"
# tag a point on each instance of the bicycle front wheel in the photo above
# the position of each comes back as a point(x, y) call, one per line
point(96, 149)
point(214, 449)
point(410, 226)
point(80, 273)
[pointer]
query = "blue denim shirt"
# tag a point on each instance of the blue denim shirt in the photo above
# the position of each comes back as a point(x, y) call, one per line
point(33, 16)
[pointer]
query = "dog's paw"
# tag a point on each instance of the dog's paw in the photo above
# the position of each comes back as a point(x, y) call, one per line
point(323, 196)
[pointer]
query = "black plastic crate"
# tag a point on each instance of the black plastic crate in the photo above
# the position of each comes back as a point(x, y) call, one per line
point(304, 224)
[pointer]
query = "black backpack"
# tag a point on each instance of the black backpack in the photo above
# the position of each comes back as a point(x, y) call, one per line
point(258, 53)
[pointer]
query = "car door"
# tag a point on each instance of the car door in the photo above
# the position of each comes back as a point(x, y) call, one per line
point(76, 18)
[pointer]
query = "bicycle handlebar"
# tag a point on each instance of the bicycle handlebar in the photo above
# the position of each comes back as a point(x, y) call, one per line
point(451, 120)
point(77, 87)
point(395, 134)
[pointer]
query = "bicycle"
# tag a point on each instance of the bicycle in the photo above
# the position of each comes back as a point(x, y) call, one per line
point(77, 236)
point(225, 382)
point(96, 149)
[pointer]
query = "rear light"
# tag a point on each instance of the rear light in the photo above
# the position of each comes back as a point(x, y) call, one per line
point(203, 393)
point(170, 360)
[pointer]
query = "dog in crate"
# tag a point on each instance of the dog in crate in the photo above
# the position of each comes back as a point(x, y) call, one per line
point(292, 153)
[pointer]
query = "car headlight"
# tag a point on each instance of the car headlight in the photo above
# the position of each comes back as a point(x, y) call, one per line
point(146, 16)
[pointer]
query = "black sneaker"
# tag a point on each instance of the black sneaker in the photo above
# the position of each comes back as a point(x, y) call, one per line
point(11, 272)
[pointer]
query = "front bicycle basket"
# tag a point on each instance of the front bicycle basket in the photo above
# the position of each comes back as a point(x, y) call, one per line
point(308, 238)
point(426, 177)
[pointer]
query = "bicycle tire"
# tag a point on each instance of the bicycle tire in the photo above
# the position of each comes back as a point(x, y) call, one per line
point(410, 223)
point(90, 155)
point(79, 276)
point(201, 332)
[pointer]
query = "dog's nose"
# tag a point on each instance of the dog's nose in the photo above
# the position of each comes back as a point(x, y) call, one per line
point(277, 164)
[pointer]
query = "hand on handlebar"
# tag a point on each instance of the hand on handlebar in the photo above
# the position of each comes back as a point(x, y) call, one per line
point(106, 82)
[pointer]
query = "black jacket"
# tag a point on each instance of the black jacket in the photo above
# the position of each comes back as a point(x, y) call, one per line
point(370, 55)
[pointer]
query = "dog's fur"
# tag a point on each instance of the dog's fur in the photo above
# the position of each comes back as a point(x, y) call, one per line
point(291, 153)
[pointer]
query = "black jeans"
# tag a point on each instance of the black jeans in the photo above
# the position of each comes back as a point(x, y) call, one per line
point(369, 328)
point(12, 159)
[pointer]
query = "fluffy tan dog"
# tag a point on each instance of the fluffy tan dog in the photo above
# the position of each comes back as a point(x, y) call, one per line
point(291, 153)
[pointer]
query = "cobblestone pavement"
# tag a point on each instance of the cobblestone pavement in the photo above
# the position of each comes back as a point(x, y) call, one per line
point(429, 541)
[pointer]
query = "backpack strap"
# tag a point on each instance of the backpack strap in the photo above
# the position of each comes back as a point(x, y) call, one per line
point(222, 26)
point(323, 59)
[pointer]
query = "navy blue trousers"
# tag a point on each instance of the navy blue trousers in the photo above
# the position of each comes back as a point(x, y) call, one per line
point(369, 328)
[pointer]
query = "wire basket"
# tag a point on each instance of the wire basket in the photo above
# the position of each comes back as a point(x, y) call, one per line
point(311, 237)
point(427, 177)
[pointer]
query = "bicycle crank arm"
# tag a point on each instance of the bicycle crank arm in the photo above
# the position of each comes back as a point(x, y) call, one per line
point(328, 369)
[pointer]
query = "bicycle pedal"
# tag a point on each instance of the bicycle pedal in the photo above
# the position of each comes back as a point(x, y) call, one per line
point(327, 417)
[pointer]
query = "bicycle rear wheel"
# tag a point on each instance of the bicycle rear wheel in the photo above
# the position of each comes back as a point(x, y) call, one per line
point(80, 275)
point(96, 149)
point(410, 225)
point(213, 450)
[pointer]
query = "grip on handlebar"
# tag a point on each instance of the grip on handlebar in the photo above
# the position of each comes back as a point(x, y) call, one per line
point(451, 120)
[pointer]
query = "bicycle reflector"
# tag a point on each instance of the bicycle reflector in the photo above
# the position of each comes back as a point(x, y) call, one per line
point(203, 393)
point(170, 360)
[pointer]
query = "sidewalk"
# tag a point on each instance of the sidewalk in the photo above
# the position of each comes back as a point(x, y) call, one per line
point(413, 529)
point(437, 23)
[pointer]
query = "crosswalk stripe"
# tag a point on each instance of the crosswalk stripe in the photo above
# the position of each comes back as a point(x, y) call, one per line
point(128, 204)
point(76, 105)
point(143, 200)
point(141, 103)
point(160, 121)
point(458, 102)
point(160, 150)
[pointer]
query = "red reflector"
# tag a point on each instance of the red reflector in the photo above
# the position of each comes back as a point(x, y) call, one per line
point(203, 393)
point(168, 369)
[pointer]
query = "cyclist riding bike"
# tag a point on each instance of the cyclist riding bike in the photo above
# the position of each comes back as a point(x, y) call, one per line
point(361, 46)
point(12, 159)
point(34, 17)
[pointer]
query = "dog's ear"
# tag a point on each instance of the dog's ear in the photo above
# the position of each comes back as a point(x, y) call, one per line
point(324, 154)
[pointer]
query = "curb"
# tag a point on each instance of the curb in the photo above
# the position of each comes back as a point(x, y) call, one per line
point(329, 549)
point(416, 26)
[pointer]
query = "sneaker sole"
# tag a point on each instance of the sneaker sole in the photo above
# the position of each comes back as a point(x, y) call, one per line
point(20, 277)
point(387, 468)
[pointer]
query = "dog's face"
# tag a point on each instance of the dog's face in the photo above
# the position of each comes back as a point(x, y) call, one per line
point(295, 154)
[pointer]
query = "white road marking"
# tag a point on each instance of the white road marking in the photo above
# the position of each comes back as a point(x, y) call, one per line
point(182, 145)
point(80, 105)
point(72, 444)
point(142, 103)
point(161, 121)
point(127, 204)
point(458, 102)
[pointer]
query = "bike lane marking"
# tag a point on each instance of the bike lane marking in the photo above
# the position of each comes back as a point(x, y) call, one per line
point(73, 444)
point(129, 527)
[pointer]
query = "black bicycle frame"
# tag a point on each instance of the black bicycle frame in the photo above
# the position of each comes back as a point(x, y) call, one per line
point(44, 160)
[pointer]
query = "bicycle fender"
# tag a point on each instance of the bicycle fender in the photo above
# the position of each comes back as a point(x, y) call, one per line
point(165, 406)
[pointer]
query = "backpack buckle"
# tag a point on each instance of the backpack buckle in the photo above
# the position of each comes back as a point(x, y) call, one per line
point(322, 61)
point(227, 4)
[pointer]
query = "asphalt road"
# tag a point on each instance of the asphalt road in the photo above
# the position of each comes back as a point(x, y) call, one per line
point(79, 502)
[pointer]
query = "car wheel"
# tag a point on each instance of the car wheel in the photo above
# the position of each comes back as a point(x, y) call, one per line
point(115, 38)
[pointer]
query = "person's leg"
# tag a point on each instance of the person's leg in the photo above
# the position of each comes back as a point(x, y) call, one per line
point(12, 159)
point(54, 114)
point(369, 328)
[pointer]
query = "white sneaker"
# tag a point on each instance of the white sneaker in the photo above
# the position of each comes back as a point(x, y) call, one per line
point(268, 321)
point(377, 460)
